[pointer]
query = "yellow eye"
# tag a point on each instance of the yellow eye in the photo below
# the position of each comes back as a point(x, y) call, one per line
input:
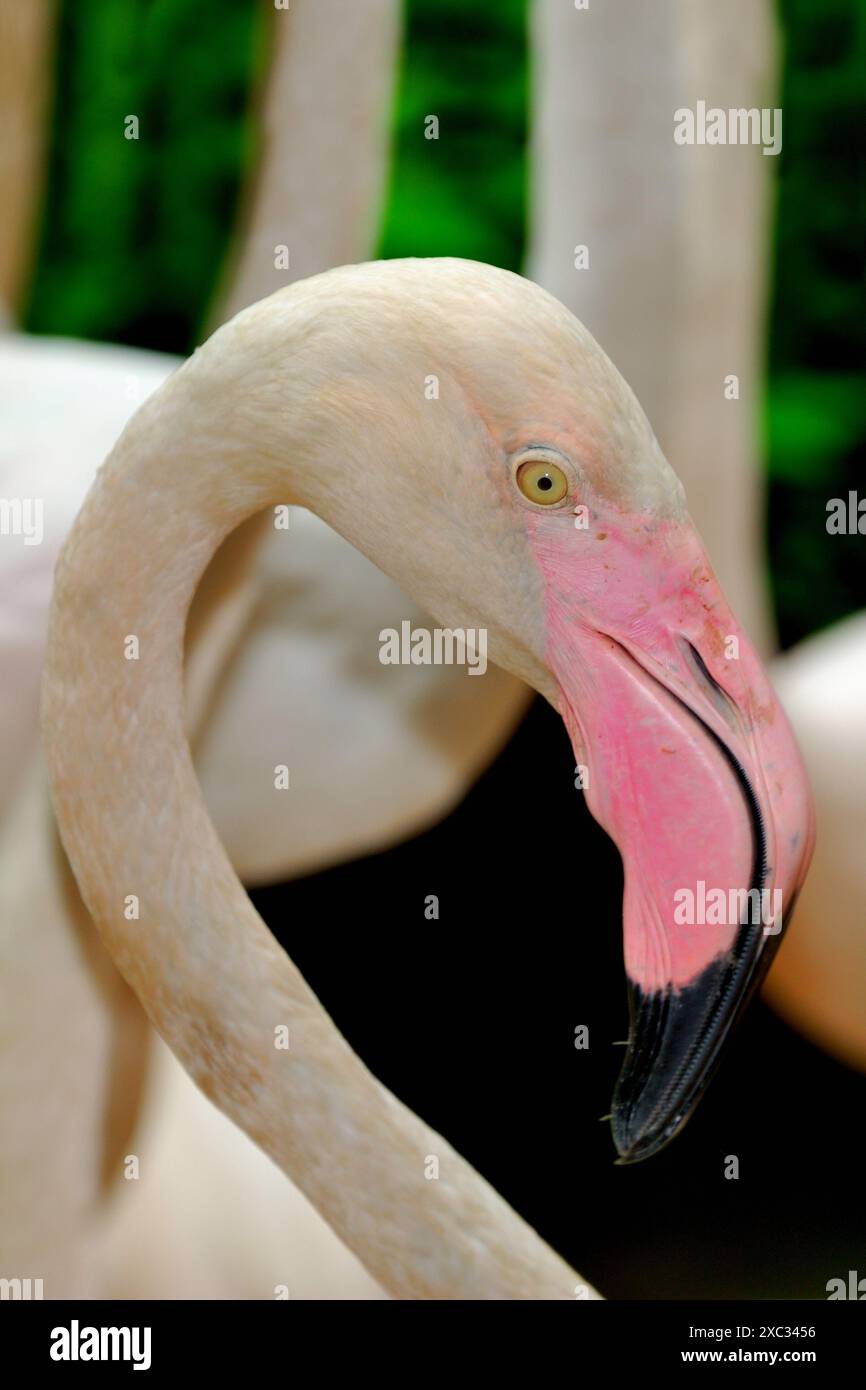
point(543, 483)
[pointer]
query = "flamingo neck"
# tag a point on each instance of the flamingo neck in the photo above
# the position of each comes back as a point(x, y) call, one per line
point(170, 908)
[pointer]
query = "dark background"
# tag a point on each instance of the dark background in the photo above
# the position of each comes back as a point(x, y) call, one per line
point(471, 1019)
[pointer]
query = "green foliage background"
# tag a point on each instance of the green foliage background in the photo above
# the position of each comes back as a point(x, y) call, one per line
point(134, 232)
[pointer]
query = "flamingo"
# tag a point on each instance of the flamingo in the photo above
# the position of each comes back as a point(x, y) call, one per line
point(389, 717)
point(316, 395)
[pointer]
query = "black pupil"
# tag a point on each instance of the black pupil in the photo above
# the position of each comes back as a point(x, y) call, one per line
point(545, 483)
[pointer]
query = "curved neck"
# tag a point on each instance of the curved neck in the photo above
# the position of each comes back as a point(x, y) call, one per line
point(210, 975)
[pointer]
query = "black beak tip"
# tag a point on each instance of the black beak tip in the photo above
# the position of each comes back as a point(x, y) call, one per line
point(675, 1043)
point(635, 1140)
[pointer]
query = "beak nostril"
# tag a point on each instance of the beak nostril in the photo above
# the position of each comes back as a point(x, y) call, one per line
point(718, 697)
point(696, 661)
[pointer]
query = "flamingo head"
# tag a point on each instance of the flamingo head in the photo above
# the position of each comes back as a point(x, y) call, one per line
point(467, 433)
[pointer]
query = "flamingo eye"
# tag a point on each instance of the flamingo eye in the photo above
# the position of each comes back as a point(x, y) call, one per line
point(541, 482)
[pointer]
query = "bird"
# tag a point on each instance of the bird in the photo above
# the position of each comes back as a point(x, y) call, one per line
point(427, 719)
point(530, 499)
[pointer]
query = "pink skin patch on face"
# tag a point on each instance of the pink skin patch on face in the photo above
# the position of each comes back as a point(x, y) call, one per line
point(654, 672)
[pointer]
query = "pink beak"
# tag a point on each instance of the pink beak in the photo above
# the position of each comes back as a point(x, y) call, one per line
point(694, 772)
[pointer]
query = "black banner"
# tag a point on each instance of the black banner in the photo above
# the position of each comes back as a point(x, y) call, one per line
point(234, 1338)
